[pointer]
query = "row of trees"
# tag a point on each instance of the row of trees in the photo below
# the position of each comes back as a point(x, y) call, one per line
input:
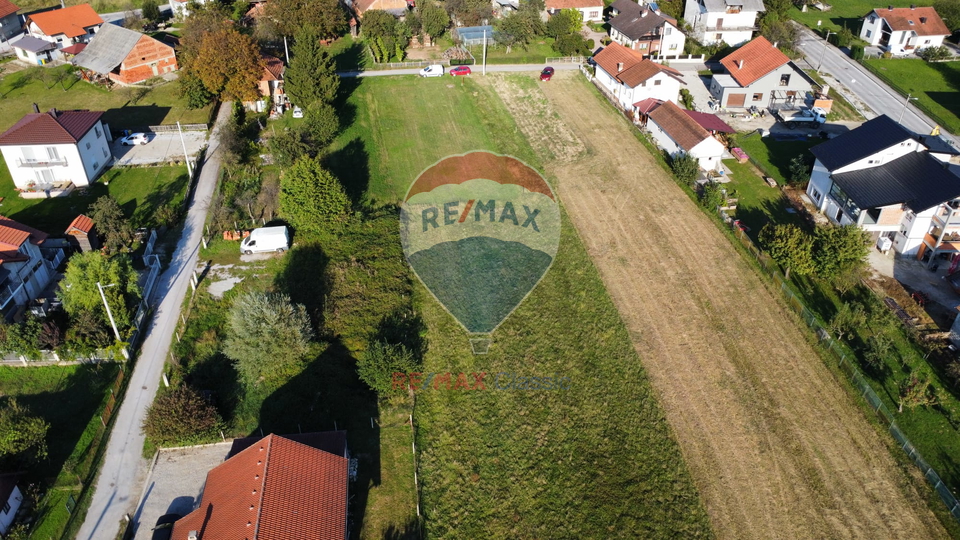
point(835, 254)
point(525, 25)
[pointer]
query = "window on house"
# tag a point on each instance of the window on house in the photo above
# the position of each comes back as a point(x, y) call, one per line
point(673, 46)
point(105, 152)
point(816, 194)
point(718, 37)
point(52, 153)
point(6, 508)
point(96, 130)
point(926, 42)
point(757, 97)
point(785, 79)
point(839, 215)
point(667, 30)
point(869, 33)
point(594, 14)
point(643, 46)
point(909, 216)
point(88, 146)
point(96, 165)
point(657, 83)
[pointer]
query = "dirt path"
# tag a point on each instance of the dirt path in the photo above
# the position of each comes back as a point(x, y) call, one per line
point(777, 448)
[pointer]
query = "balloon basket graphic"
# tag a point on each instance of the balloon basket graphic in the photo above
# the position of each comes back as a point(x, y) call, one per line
point(480, 231)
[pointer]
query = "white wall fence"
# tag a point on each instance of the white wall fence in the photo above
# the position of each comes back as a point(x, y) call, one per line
point(151, 241)
point(680, 58)
point(146, 303)
point(565, 60)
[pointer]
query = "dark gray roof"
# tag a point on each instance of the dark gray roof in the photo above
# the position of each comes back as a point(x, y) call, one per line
point(721, 5)
point(868, 139)
point(936, 144)
point(32, 44)
point(632, 25)
point(107, 49)
point(917, 179)
point(625, 6)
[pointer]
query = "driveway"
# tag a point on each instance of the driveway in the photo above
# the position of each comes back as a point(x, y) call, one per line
point(161, 148)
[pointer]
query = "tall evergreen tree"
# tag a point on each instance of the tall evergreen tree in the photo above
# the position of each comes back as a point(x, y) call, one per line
point(312, 75)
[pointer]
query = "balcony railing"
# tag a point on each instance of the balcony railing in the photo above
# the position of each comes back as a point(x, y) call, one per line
point(60, 162)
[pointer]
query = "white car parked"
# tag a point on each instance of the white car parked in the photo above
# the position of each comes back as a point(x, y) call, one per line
point(134, 139)
point(435, 70)
point(297, 112)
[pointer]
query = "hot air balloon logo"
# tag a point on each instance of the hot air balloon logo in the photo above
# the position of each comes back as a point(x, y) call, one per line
point(480, 230)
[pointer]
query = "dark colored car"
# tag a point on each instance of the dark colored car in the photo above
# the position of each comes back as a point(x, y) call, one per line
point(459, 70)
point(546, 74)
point(164, 527)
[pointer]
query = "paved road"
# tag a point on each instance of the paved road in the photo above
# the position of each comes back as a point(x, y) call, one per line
point(477, 70)
point(123, 469)
point(871, 91)
point(118, 16)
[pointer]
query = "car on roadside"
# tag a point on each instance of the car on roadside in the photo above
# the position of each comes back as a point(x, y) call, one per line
point(297, 112)
point(459, 70)
point(134, 139)
point(546, 74)
point(163, 530)
point(435, 70)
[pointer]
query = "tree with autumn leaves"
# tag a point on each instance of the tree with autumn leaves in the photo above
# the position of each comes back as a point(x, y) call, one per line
point(217, 60)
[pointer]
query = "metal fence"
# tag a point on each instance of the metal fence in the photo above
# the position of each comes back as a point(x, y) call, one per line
point(565, 60)
point(166, 128)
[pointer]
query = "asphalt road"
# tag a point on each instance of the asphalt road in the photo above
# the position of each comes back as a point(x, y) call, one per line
point(123, 470)
point(118, 16)
point(477, 70)
point(868, 89)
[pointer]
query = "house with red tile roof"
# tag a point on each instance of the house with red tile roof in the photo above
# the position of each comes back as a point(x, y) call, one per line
point(645, 29)
point(274, 488)
point(82, 234)
point(270, 86)
point(631, 78)
point(677, 133)
point(49, 153)
point(64, 27)
point(907, 29)
point(397, 8)
point(592, 10)
point(758, 74)
point(26, 265)
point(9, 20)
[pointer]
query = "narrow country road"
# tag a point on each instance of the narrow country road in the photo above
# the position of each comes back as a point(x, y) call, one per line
point(477, 70)
point(123, 469)
point(865, 86)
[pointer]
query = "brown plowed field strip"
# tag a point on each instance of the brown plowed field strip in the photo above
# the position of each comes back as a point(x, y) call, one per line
point(776, 446)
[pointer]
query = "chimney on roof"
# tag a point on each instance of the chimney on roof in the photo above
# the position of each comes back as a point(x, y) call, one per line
point(36, 109)
point(643, 14)
point(889, 8)
point(775, 43)
point(619, 67)
point(923, 20)
point(913, 7)
point(54, 112)
point(740, 63)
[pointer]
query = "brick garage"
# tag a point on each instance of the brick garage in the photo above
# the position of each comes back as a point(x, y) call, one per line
point(148, 58)
point(125, 56)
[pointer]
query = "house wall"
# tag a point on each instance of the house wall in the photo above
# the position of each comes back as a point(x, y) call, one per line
point(61, 39)
point(148, 58)
point(913, 228)
point(735, 28)
point(871, 29)
point(10, 26)
point(889, 154)
point(6, 518)
point(760, 93)
point(31, 57)
point(707, 152)
point(26, 280)
point(667, 90)
point(82, 164)
point(923, 42)
point(673, 40)
point(592, 14)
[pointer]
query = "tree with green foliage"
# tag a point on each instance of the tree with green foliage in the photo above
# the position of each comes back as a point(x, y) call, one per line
point(23, 437)
point(434, 20)
point(150, 11)
point(321, 124)
point(838, 250)
point(857, 52)
point(712, 195)
point(685, 168)
point(469, 12)
point(790, 246)
point(380, 362)
point(286, 17)
point(191, 88)
point(385, 35)
point(288, 146)
point(229, 65)
point(112, 225)
point(798, 171)
point(23, 338)
point(935, 54)
point(879, 349)
point(917, 391)
point(567, 21)
point(571, 45)
point(79, 293)
point(518, 29)
point(268, 336)
point(312, 74)
point(848, 319)
point(949, 11)
point(179, 417)
point(311, 199)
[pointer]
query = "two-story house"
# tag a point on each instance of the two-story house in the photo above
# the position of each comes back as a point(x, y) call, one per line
point(271, 86)
point(631, 78)
point(891, 182)
point(645, 29)
point(592, 10)
point(26, 266)
point(904, 28)
point(758, 74)
point(126, 56)
point(48, 152)
point(9, 20)
point(64, 27)
point(722, 21)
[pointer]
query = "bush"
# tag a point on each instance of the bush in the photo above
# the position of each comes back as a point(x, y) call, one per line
point(887, 54)
point(934, 54)
point(799, 170)
point(180, 417)
point(267, 336)
point(378, 365)
point(685, 168)
point(856, 52)
point(686, 98)
point(712, 195)
point(591, 44)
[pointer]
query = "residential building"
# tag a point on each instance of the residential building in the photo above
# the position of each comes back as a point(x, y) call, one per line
point(631, 78)
point(11, 498)
point(53, 151)
point(82, 234)
point(677, 133)
point(34, 50)
point(9, 20)
point(892, 183)
point(66, 26)
point(270, 86)
point(722, 21)
point(180, 8)
point(592, 10)
point(710, 122)
point(645, 29)
point(904, 28)
point(26, 267)
point(758, 74)
point(126, 56)
point(397, 8)
point(275, 487)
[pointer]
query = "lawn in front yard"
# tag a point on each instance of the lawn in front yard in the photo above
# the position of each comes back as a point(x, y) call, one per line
point(124, 107)
point(774, 156)
point(758, 203)
point(843, 13)
point(936, 85)
point(139, 190)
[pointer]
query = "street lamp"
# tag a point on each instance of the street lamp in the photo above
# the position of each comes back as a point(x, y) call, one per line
point(826, 40)
point(909, 97)
point(106, 305)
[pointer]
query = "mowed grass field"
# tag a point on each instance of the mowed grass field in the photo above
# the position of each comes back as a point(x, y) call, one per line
point(934, 85)
point(595, 461)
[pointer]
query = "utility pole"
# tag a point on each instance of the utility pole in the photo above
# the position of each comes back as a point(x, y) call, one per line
point(484, 51)
point(186, 156)
point(905, 102)
point(826, 40)
point(106, 305)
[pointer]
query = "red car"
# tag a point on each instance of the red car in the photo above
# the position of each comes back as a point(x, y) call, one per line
point(546, 74)
point(459, 70)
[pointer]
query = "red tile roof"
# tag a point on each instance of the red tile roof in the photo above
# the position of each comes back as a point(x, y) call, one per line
point(710, 122)
point(628, 66)
point(7, 8)
point(272, 68)
point(647, 106)
point(275, 489)
point(71, 21)
point(574, 4)
point(53, 127)
point(81, 223)
point(76, 48)
point(754, 60)
point(12, 235)
point(899, 20)
point(685, 131)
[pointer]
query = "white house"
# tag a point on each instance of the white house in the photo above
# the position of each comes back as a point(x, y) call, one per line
point(677, 133)
point(26, 266)
point(48, 153)
point(758, 74)
point(33, 50)
point(645, 29)
point(905, 28)
point(631, 78)
point(893, 183)
point(64, 27)
point(592, 10)
point(729, 21)
point(181, 8)
point(11, 498)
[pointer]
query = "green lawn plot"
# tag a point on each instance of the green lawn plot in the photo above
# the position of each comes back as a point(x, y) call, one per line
point(139, 190)
point(124, 107)
point(773, 156)
point(937, 86)
point(757, 202)
point(843, 13)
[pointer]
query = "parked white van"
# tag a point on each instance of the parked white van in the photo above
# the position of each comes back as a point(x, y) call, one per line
point(266, 239)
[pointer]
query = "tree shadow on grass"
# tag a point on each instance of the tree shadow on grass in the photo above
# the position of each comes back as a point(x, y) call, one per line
point(408, 531)
point(303, 279)
point(216, 378)
point(351, 165)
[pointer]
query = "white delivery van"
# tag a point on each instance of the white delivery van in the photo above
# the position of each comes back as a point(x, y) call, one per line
point(266, 239)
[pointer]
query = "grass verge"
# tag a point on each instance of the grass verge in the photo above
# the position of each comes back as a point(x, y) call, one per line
point(934, 85)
